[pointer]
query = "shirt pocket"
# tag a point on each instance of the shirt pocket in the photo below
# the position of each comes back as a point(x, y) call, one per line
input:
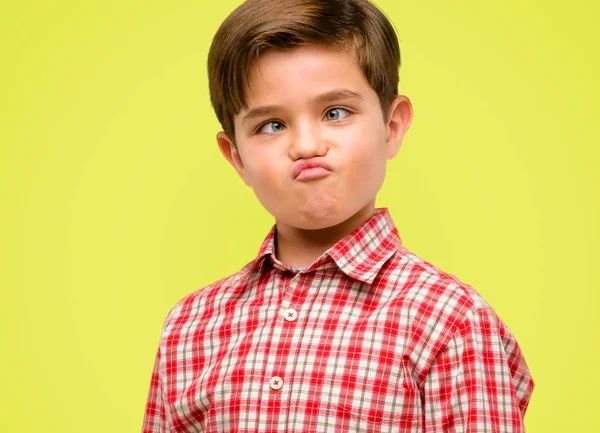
point(375, 397)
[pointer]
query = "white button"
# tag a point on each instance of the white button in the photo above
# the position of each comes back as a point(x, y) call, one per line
point(291, 314)
point(276, 382)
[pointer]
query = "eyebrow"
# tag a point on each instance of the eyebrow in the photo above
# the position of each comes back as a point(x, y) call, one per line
point(324, 98)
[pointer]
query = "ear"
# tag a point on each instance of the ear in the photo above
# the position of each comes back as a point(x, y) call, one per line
point(400, 116)
point(232, 154)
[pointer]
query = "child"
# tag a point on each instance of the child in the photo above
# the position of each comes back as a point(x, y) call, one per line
point(335, 326)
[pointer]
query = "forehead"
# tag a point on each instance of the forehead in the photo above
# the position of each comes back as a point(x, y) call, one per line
point(303, 73)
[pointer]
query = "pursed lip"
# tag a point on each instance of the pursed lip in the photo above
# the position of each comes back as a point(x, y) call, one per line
point(303, 164)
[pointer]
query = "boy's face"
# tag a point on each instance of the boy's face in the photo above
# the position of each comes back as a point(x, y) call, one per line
point(313, 105)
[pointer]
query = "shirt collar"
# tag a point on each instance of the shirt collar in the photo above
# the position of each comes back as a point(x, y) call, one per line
point(360, 254)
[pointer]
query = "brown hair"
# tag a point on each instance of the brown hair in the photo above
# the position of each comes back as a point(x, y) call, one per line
point(259, 25)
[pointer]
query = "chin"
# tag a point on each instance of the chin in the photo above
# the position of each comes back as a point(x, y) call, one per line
point(316, 219)
point(317, 213)
point(315, 224)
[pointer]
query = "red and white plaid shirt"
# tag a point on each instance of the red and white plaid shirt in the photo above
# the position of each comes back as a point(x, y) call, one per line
point(369, 337)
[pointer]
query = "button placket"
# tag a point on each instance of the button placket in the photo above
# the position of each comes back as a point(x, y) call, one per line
point(290, 315)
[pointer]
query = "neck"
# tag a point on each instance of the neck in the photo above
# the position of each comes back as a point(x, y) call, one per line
point(299, 247)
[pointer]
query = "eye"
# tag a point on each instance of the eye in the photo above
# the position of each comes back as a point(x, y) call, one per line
point(271, 127)
point(336, 114)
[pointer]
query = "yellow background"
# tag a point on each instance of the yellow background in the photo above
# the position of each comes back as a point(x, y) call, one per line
point(115, 201)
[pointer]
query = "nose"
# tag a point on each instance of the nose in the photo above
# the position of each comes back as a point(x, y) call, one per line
point(307, 142)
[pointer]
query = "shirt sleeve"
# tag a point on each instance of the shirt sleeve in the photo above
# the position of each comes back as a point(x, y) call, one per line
point(480, 382)
point(155, 414)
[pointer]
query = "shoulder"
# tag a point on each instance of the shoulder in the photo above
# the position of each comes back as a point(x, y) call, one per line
point(427, 286)
point(208, 297)
point(436, 304)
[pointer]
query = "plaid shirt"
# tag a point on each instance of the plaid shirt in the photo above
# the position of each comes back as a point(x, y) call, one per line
point(369, 337)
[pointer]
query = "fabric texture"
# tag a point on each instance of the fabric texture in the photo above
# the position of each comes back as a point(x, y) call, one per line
point(368, 338)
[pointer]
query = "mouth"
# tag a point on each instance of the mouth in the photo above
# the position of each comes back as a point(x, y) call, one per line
point(312, 168)
point(313, 173)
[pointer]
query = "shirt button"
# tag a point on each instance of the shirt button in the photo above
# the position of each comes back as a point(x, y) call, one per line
point(291, 314)
point(276, 382)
